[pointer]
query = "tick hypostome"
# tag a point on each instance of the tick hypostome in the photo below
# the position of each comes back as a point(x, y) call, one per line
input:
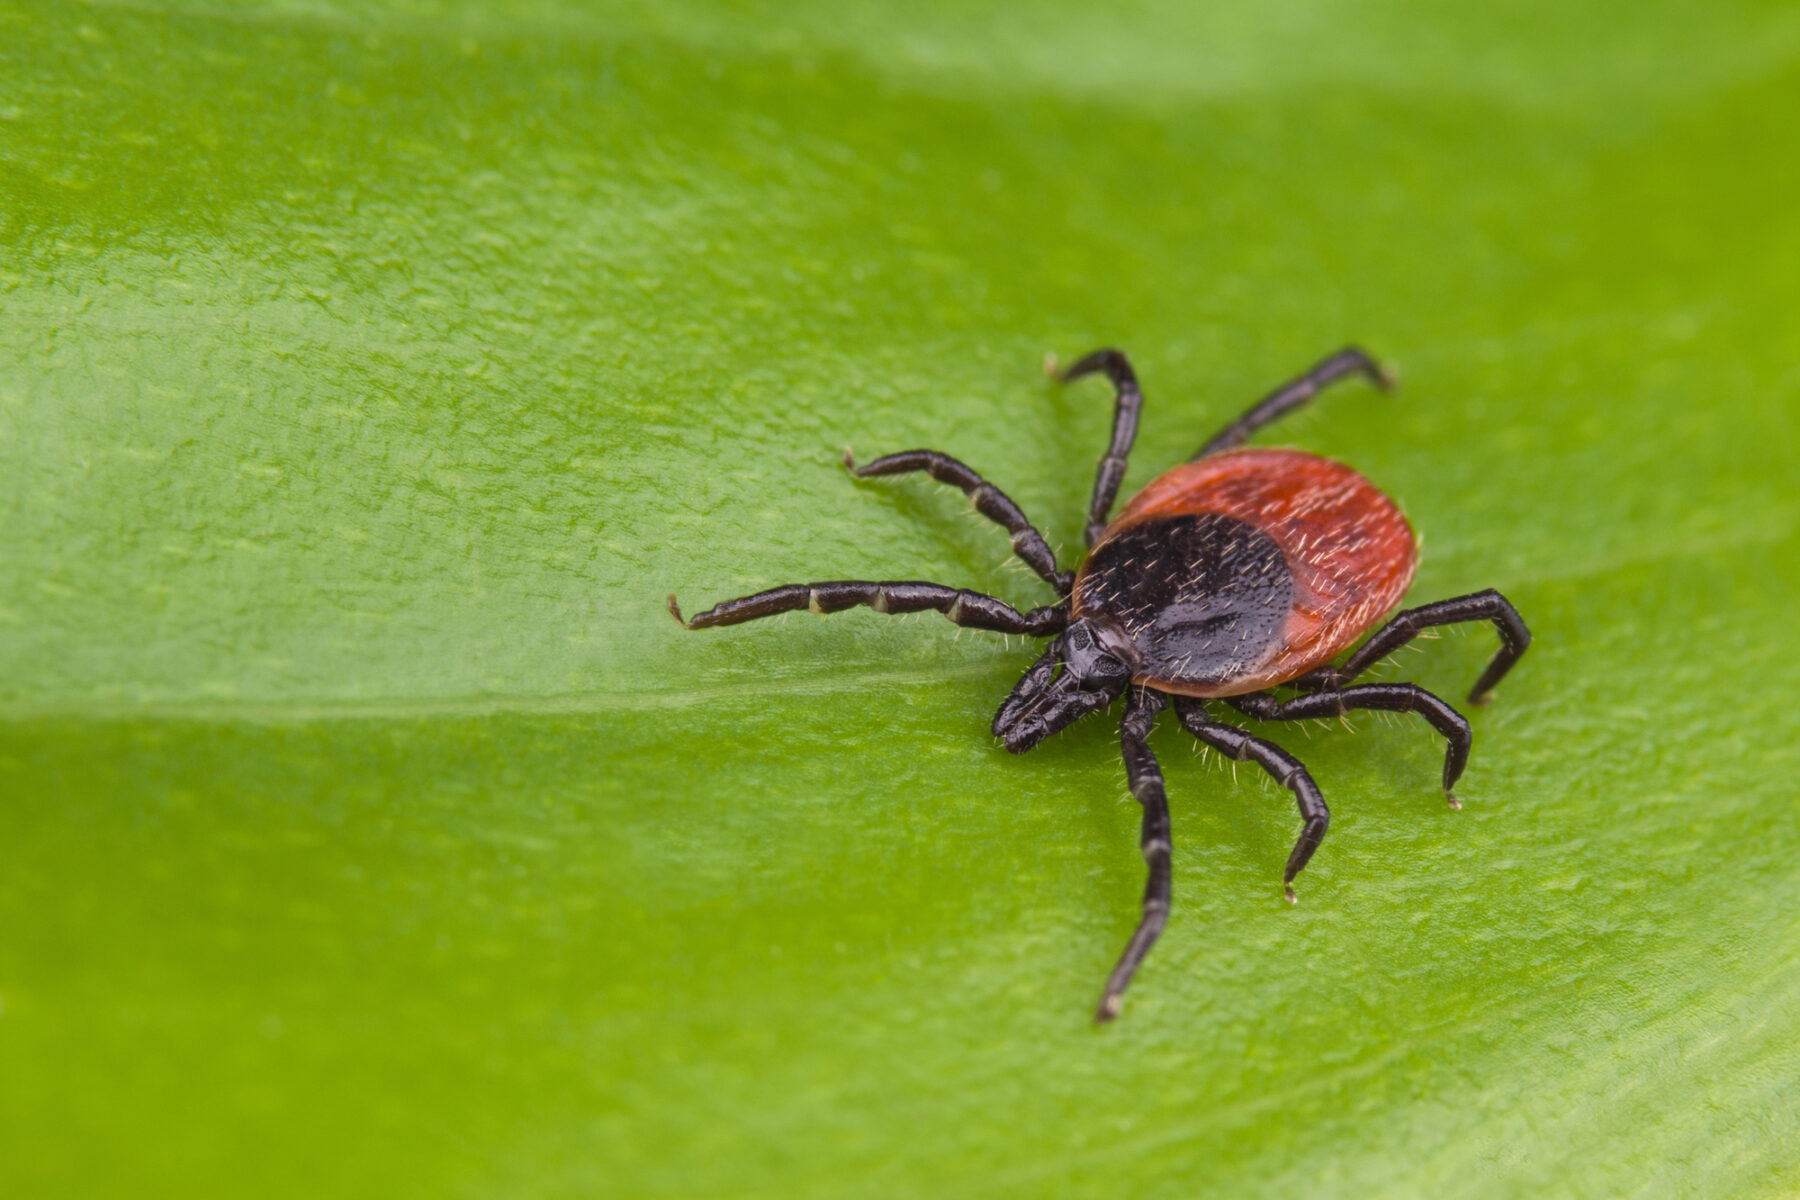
point(1235, 573)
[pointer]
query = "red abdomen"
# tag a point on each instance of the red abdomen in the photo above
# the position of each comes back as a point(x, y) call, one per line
point(1247, 569)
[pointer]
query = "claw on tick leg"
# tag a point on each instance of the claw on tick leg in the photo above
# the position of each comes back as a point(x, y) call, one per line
point(1452, 801)
point(1288, 891)
point(675, 611)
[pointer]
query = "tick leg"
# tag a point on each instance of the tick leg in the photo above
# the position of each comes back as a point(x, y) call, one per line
point(989, 501)
point(1479, 606)
point(1282, 766)
point(959, 604)
point(1147, 785)
point(1129, 404)
point(1351, 360)
point(1388, 697)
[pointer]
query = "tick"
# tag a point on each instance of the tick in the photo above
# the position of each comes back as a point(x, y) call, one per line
point(1238, 572)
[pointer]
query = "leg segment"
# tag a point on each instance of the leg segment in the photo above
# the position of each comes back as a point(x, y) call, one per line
point(1283, 767)
point(989, 501)
point(1388, 697)
point(959, 604)
point(1351, 360)
point(1480, 606)
point(1147, 785)
point(1129, 404)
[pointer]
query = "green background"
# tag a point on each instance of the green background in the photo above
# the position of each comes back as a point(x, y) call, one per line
point(369, 374)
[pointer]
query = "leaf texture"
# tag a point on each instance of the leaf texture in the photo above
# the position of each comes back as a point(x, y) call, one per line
point(370, 373)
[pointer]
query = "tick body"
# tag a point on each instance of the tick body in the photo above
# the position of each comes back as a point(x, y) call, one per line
point(1246, 569)
point(1232, 575)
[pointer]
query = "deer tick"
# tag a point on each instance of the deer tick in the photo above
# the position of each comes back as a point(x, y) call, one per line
point(1240, 571)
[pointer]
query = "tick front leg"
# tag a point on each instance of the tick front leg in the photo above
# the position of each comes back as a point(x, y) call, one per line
point(989, 501)
point(1283, 767)
point(1128, 404)
point(960, 605)
point(1146, 778)
point(1387, 697)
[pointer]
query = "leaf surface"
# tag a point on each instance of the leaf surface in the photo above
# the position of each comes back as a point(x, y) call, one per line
point(373, 371)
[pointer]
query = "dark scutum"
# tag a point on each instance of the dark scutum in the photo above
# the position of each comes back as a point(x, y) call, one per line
point(1203, 596)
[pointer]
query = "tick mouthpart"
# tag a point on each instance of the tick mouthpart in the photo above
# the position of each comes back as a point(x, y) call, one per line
point(1038, 714)
point(1059, 703)
point(1021, 738)
point(1023, 733)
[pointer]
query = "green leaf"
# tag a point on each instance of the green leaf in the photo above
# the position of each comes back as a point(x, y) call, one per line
point(371, 372)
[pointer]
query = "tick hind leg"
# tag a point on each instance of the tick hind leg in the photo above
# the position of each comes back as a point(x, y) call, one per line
point(1478, 606)
point(1283, 767)
point(1351, 360)
point(1128, 404)
point(1145, 776)
point(1386, 697)
point(989, 501)
point(960, 605)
